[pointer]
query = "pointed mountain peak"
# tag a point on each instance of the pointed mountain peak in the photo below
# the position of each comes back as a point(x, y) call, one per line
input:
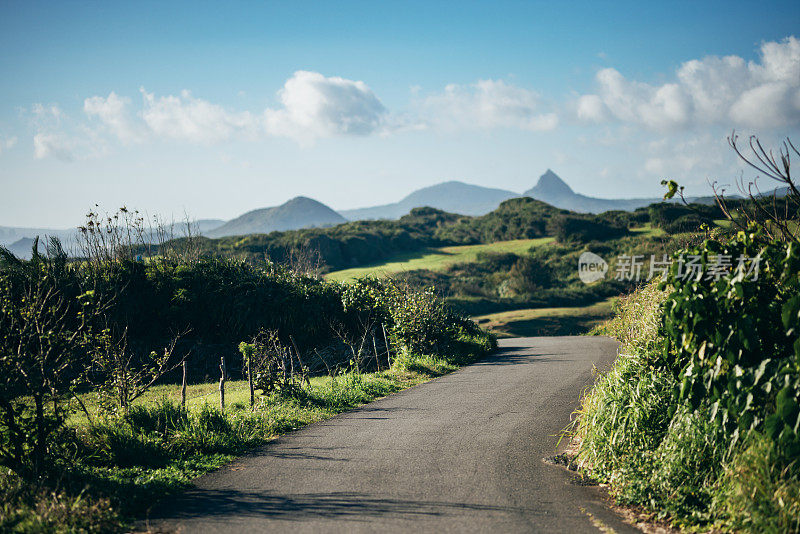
point(300, 200)
point(550, 184)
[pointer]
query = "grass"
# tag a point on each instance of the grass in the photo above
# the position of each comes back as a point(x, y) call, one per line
point(198, 396)
point(648, 231)
point(547, 321)
point(122, 464)
point(436, 259)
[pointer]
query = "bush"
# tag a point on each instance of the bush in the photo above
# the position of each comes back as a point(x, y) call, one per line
point(735, 340)
point(697, 420)
point(582, 229)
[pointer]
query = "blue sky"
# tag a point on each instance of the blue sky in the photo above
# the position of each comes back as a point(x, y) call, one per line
point(217, 108)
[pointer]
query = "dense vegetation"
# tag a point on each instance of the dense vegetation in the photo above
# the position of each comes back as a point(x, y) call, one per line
point(81, 342)
point(341, 246)
point(544, 276)
point(698, 421)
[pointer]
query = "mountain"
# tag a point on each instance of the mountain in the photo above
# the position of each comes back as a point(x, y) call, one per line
point(206, 225)
point(552, 189)
point(299, 212)
point(454, 197)
point(11, 234)
point(23, 248)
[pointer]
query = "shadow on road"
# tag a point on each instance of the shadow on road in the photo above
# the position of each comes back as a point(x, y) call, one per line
point(342, 505)
point(515, 356)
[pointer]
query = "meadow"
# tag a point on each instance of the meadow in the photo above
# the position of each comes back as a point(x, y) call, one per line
point(436, 259)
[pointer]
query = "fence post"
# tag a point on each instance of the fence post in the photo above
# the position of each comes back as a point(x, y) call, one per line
point(222, 383)
point(388, 352)
point(375, 349)
point(183, 385)
point(250, 377)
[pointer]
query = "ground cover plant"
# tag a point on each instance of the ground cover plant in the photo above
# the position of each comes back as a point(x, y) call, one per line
point(87, 442)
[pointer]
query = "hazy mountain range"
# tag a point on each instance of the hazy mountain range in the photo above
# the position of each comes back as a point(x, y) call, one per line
point(303, 212)
point(453, 197)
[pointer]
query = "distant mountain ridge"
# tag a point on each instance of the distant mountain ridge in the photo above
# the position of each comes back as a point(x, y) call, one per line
point(552, 189)
point(452, 196)
point(299, 212)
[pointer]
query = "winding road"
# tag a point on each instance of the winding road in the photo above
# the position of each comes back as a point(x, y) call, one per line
point(462, 453)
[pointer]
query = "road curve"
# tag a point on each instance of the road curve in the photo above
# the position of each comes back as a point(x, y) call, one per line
point(462, 453)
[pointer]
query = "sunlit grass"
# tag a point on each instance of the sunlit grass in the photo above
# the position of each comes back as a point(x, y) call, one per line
point(437, 259)
point(647, 230)
point(547, 321)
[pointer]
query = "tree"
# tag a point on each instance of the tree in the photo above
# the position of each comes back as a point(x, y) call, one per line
point(46, 317)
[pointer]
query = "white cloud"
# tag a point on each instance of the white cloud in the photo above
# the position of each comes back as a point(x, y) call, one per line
point(7, 143)
point(727, 91)
point(486, 104)
point(112, 111)
point(193, 119)
point(53, 145)
point(49, 139)
point(46, 113)
point(591, 108)
point(318, 106)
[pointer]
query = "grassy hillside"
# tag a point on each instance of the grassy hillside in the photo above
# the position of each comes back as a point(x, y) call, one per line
point(437, 259)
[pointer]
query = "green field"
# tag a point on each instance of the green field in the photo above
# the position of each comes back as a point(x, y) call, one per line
point(546, 321)
point(436, 259)
point(647, 231)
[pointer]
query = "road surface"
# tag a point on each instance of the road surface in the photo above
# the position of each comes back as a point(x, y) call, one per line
point(462, 453)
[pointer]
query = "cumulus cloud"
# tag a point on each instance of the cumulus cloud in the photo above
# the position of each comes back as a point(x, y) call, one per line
point(318, 106)
point(112, 112)
point(486, 104)
point(311, 106)
point(193, 119)
point(714, 90)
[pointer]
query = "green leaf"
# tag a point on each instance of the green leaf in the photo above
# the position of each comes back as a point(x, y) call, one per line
point(672, 188)
point(773, 426)
point(791, 312)
point(786, 404)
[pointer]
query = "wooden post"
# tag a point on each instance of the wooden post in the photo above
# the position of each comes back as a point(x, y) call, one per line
point(250, 377)
point(388, 352)
point(183, 385)
point(375, 349)
point(222, 384)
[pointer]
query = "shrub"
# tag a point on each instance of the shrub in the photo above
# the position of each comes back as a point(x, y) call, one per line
point(698, 417)
point(735, 340)
point(46, 313)
point(582, 229)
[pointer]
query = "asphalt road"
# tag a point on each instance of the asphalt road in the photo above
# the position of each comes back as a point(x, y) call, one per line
point(462, 453)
